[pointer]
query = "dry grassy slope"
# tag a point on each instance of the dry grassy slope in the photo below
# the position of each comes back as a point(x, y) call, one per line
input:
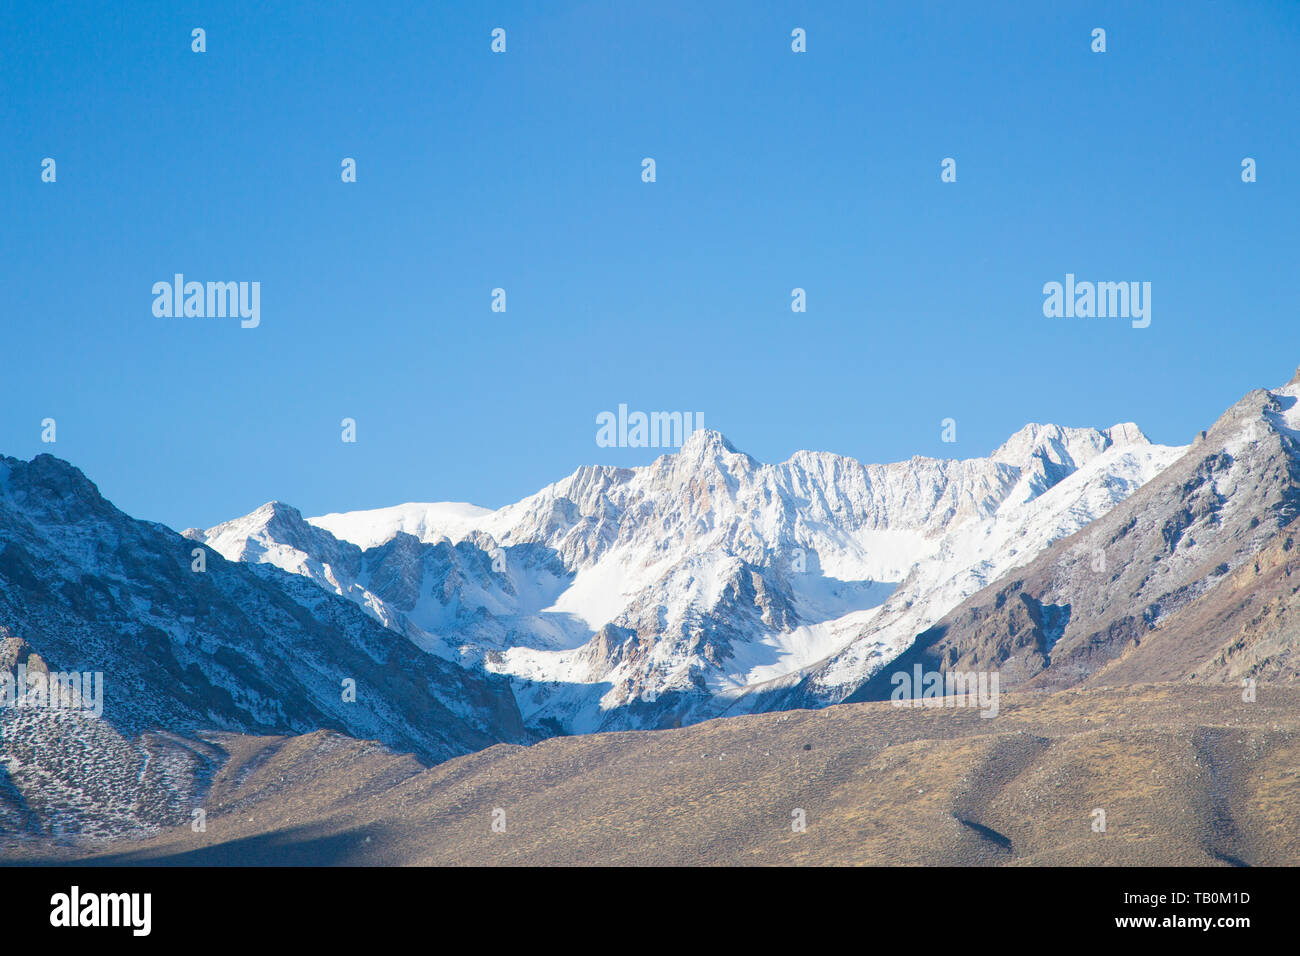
point(1186, 775)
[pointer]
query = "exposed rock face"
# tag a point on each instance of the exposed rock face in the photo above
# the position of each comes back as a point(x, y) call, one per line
point(1191, 578)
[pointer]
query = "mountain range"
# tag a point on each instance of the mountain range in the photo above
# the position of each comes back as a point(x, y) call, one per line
point(703, 585)
point(706, 583)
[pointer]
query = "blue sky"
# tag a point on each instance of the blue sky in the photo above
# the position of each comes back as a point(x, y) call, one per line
point(523, 171)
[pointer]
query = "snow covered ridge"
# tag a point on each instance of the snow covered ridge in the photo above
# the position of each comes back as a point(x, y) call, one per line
point(427, 522)
point(705, 582)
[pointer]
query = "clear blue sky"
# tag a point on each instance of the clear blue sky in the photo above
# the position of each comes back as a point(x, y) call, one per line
point(523, 171)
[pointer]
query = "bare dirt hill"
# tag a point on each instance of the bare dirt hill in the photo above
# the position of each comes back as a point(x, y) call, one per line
point(1186, 774)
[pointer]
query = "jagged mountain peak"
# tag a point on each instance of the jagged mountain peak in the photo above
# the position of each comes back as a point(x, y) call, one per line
point(278, 509)
point(275, 515)
point(703, 439)
point(1064, 443)
point(279, 529)
point(57, 488)
point(708, 450)
point(1127, 433)
point(708, 471)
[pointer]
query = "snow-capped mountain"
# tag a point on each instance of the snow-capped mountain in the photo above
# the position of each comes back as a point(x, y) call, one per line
point(706, 582)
